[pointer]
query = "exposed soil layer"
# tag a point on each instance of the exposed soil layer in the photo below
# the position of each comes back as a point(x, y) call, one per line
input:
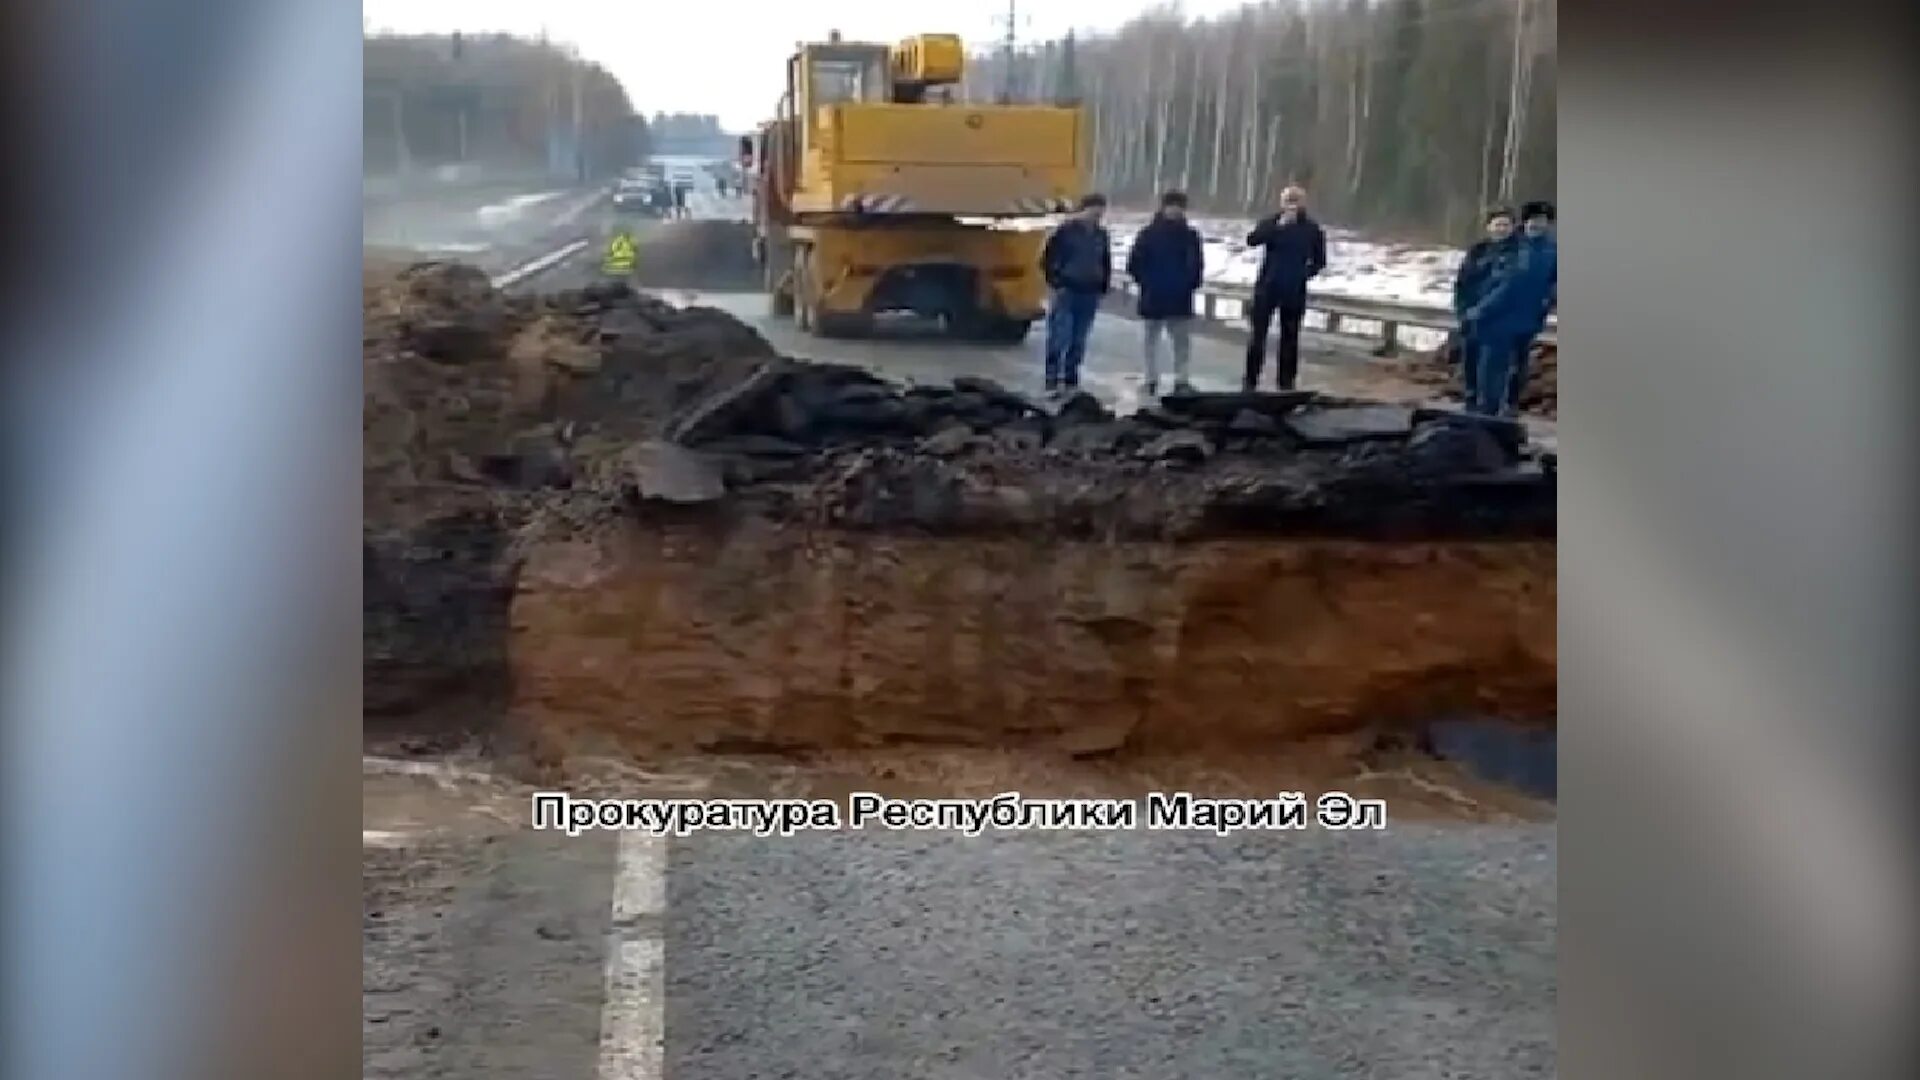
point(670, 639)
point(596, 521)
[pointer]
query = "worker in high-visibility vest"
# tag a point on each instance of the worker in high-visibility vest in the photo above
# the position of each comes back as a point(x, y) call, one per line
point(620, 255)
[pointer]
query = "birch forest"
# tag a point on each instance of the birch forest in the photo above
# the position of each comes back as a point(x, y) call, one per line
point(1398, 116)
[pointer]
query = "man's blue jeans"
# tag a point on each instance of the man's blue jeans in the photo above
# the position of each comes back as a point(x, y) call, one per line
point(1069, 320)
point(1495, 357)
point(1522, 360)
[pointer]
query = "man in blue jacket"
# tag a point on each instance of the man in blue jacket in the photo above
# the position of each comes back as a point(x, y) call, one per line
point(1078, 265)
point(1504, 322)
point(1167, 262)
point(1483, 262)
point(1296, 250)
point(1536, 220)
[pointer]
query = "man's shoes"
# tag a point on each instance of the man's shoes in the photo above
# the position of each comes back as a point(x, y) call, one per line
point(1182, 386)
point(1151, 389)
point(1053, 386)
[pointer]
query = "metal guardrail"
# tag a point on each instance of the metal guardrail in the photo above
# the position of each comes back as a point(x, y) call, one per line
point(1355, 316)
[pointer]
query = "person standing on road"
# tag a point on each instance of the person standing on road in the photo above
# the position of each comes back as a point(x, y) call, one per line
point(1077, 263)
point(1167, 262)
point(1483, 262)
point(1296, 250)
point(1505, 321)
point(1537, 221)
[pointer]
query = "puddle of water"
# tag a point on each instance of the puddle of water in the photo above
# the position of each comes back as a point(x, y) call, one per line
point(1523, 757)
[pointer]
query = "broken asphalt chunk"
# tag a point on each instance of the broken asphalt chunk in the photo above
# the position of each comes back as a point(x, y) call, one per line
point(1326, 428)
point(666, 472)
point(1509, 433)
point(720, 413)
point(1180, 445)
point(1226, 406)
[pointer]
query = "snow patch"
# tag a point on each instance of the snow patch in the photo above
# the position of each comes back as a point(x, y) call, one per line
point(1357, 268)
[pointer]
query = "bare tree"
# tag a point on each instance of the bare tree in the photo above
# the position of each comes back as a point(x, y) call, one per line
point(1400, 112)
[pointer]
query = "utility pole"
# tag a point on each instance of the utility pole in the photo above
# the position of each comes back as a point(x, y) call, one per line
point(1516, 103)
point(579, 128)
point(1006, 52)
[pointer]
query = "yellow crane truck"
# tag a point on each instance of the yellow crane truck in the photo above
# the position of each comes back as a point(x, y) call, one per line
point(875, 192)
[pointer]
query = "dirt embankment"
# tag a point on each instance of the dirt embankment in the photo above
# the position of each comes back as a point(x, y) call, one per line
point(598, 521)
point(1540, 398)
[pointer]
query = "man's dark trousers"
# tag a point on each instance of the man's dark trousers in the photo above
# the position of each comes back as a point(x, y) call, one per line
point(1286, 359)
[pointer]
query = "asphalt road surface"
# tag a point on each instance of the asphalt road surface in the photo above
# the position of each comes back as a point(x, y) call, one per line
point(494, 951)
point(1113, 370)
point(492, 228)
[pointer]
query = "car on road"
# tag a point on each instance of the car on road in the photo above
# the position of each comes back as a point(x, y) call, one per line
point(638, 197)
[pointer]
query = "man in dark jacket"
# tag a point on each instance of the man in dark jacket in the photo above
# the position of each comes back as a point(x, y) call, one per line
point(1078, 265)
point(1513, 311)
point(1167, 263)
point(1483, 262)
point(1296, 250)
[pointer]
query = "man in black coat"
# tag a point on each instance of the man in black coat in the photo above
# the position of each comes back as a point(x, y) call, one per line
point(1296, 250)
point(1167, 262)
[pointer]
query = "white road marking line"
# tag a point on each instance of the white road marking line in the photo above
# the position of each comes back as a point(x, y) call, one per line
point(534, 266)
point(633, 1015)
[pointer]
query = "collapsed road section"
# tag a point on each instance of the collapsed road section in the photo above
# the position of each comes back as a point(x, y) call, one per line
point(597, 523)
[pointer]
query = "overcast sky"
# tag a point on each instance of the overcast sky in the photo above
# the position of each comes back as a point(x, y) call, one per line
point(716, 56)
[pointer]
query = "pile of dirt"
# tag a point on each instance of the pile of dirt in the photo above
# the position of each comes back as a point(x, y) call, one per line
point(1541, 397)
point(481, 404)
point(469, 389)
point(697, 254)
point(473, 396)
